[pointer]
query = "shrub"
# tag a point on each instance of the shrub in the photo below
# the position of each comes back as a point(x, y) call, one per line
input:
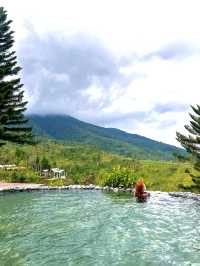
point(56, 182)
point(87, 180)
point(120, 177)
point(24, 177)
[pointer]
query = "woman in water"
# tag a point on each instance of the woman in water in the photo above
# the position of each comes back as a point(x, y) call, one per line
point(140, 191)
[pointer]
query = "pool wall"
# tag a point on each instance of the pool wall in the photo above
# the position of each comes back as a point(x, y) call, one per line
point(38, 187)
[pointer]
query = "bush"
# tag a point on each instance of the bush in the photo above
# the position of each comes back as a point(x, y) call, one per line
point(18, 176)
point(90, 179)
point(120, 177)
point(24, 177)
point(56, 182)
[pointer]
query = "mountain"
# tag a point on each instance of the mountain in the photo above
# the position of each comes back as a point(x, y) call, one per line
point(67, 128)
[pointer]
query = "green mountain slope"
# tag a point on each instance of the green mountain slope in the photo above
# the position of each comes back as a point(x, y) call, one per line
point(66, 128)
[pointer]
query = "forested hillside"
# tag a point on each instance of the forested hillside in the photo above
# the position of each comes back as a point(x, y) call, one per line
point(112, 140)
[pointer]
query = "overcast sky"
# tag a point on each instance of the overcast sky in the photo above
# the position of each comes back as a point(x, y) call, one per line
point(133, 65)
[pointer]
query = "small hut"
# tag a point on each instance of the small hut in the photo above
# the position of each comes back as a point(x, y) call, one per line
point(45, 173)
point(57, 173)
point(53, 173)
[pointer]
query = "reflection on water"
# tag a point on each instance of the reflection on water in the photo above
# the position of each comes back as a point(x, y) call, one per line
point(95, 228)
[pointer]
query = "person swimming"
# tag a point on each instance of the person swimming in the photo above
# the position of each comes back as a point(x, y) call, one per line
point(140, 191)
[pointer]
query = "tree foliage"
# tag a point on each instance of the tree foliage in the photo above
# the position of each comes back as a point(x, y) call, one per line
point(120, 177)
point(13, 125)
point(192, 142)
point(45, 163)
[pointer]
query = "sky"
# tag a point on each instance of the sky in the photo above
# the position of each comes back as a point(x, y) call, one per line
point(132, 65)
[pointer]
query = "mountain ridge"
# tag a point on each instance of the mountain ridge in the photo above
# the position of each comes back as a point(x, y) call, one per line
point(70, 129)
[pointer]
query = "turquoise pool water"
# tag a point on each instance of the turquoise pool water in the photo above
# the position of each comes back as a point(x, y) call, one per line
point(96, 228)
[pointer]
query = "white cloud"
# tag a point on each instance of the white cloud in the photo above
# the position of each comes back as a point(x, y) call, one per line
point(136, 31)
point(161, 82)
point(124, 25)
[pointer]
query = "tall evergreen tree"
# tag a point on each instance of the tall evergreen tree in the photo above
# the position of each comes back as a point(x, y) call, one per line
point(192, 142)
point(13, 125)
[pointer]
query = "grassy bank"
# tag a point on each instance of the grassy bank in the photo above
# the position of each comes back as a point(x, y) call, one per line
point(86, 164)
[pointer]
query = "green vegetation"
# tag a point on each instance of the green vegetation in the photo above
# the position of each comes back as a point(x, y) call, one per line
point(12, 122)
point(85, 164)
point(66, 128)
point(120, 177)
point(192, 143)
point(19, 176)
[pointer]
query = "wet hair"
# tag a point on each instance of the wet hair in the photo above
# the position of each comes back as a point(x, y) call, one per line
point(139, 187)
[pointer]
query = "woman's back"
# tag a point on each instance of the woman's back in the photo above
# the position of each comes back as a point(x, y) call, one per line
point(140, 191)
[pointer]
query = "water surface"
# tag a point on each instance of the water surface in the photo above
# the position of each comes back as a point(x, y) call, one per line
point(95, 228)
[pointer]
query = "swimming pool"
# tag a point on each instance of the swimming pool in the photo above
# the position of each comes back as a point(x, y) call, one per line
point(97, 228)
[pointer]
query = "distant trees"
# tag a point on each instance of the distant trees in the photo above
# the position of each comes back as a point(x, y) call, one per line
point(39, 163)
point(20, 154)
point(192, 142)
point(13, 125)
point(180, 158)
point(45, 164)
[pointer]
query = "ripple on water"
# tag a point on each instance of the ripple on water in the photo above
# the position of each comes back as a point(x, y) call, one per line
point(95, 228)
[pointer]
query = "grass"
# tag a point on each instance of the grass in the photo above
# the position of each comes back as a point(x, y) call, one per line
point(166, 176)
point(85, 164)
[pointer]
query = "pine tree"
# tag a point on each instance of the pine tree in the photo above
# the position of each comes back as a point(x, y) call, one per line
point(192, 142)
point(45, 163)
point(13, 125)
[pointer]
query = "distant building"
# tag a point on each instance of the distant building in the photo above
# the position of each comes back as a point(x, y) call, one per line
point(45, 173)
point(10, 167)
point(55, 173)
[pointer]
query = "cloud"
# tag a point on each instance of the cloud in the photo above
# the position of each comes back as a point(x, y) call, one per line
point(69, 75)
point(177, 51)
point(135, 67)
point(109, 119)
point(170, 107)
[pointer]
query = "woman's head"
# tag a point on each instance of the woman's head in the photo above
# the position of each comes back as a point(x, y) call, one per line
point(140, 186)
